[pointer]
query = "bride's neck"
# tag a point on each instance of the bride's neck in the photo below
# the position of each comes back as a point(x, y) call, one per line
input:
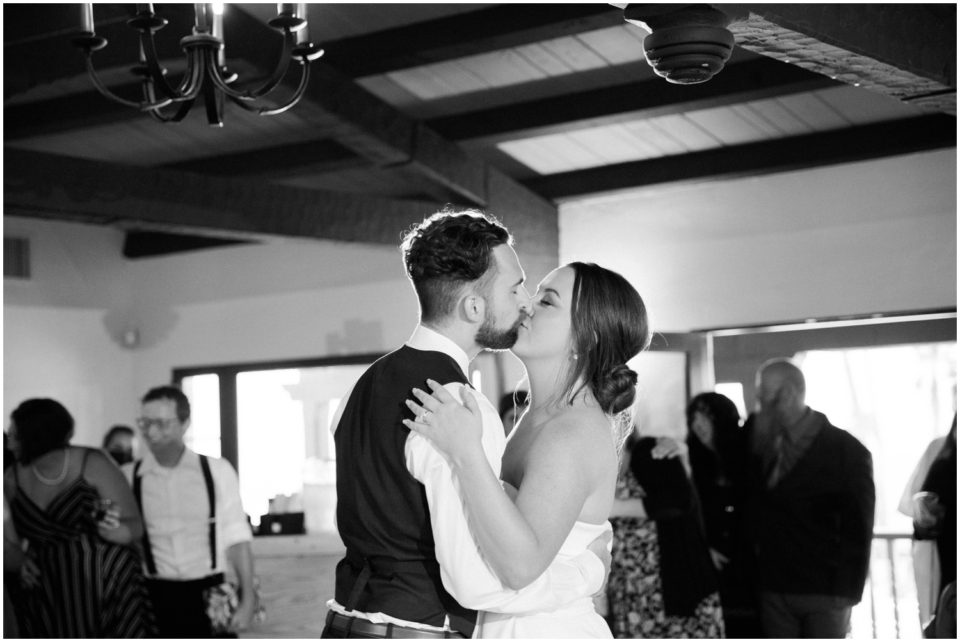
point(547, 380)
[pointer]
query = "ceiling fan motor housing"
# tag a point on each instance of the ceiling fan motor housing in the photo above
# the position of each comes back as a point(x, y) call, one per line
point(688, 44)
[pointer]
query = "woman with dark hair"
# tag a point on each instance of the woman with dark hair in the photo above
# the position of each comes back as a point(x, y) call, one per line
point(718, 451)
point(560, 465)
point(662, 583)
point(74, 510)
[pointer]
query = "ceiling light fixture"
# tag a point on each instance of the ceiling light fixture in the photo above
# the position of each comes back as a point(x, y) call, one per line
point(206, 73)
point(688, 44)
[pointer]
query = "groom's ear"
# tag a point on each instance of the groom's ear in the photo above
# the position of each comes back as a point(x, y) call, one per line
point(473, 307)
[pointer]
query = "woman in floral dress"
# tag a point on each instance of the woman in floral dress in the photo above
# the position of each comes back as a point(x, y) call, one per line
point(662, 582)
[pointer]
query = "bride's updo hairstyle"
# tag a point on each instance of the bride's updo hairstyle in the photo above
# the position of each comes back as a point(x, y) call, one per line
point(609, 327)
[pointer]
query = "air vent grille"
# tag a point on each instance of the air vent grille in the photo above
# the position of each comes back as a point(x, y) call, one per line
point(16, 257)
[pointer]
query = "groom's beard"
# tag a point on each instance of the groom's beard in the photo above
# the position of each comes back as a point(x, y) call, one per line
point(493, 338)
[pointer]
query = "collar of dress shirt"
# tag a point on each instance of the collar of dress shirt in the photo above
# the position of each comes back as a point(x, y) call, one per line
point(423, 338)
point(151, 465)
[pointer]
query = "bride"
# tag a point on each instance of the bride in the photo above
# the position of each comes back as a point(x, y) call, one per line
point(560, 465)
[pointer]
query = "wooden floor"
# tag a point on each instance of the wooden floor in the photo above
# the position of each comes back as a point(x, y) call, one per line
point(295, 590)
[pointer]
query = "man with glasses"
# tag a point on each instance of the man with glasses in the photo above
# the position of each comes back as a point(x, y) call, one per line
point(196, 532)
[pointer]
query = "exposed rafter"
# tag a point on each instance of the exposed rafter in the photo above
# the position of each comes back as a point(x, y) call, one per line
point(39, 185)
point(752, 80)
point(468, 34)
point(923, 133)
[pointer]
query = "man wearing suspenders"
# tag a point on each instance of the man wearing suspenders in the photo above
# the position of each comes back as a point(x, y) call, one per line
point(195, 527)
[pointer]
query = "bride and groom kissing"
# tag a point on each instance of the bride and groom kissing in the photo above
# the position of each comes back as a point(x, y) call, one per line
point(452, 529)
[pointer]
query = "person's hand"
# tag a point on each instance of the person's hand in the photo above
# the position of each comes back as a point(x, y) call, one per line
point(107, 519)
point(719, 559)
point(668, 447)
point(927, 509)
point(243, 616)
point(601, 548)
point(452, 428)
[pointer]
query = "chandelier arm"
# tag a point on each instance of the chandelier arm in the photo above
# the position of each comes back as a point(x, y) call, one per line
point(142, 106)
point(289, 41)
point(157, 73)
point(183, 106)
point(213, 72)
point(297, 95)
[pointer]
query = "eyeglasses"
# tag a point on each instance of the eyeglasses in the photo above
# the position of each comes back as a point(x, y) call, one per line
point(144, 423)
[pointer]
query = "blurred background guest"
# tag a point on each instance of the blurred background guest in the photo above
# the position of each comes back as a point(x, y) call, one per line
point(662, 582)
point(923, 549)
point(74, 510)
point(936, 509)
point(118, 442)
point(718, 450)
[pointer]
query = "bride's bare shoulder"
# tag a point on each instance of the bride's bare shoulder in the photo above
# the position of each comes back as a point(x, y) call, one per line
point(576, 428)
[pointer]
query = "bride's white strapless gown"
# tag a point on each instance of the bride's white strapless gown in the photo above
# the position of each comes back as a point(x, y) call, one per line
point(578, 619)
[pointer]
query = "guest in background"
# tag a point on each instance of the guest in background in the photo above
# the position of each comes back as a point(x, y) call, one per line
point(937, 507)
point(72, 507)
point(118, 442)
point(662, 582)
point(512, 407)
point(923, 550)
point(811, 511)
point(12, 566)
point(718, 453)
point(195, 526)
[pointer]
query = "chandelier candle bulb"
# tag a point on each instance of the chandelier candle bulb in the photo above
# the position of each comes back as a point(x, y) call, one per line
point(86, 17)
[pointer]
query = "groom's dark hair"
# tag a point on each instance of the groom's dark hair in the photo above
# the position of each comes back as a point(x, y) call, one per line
point(446, 251)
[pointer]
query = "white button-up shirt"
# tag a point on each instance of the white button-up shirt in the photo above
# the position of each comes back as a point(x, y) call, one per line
point(465, 574)
point(176, 514)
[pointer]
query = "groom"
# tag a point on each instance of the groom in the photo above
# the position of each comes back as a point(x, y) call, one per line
point(411, 567)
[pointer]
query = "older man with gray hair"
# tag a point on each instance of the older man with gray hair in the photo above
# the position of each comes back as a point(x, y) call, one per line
point(812, 510)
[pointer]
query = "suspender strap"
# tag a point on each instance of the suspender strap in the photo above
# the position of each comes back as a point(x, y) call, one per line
point(138, 495)
point(211, 498)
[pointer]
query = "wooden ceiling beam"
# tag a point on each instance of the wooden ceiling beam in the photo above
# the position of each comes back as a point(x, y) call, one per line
point(907, 51)
point(743, 82)
point(467, 34)
point(282, 161)
point(865, 142)
point(41, 185)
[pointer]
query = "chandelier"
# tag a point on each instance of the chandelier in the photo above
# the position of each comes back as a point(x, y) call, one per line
point(206, 71)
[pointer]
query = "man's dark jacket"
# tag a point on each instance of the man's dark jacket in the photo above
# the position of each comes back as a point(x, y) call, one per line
point(813, 529)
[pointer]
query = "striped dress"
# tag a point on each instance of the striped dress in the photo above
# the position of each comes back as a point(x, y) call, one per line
point(88, 587)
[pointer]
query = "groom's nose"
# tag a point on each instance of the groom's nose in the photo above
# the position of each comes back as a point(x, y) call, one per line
point(526, 301)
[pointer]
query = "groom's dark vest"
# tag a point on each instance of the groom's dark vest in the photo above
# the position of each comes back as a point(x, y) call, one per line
point(382, 511)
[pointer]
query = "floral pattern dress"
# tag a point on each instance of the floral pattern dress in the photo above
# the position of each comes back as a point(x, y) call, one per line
point(634, 590)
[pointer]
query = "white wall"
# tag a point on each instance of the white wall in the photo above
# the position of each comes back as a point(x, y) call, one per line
point(284, 300)
point(878, 236)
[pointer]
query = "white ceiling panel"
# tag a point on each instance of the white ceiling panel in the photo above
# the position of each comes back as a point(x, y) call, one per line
point(775, 112)
point(660, 141)
point(815, 112)
point(502, 68)
point(617, 45)
point(727, 125)
point(577, 55)
point(862, 107)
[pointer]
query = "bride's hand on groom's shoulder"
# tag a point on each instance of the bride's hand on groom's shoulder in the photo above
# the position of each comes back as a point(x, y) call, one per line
point(453, 425)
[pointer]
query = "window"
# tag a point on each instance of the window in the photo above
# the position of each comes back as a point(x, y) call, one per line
point(273, 422)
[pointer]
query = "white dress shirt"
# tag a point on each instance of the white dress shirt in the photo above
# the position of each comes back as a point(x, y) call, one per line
point(465, 574)
point(176, 514)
